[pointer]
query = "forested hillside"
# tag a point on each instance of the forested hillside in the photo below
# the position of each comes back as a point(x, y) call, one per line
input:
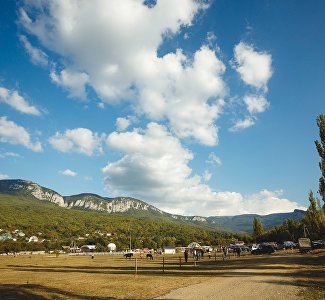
point(57, 226)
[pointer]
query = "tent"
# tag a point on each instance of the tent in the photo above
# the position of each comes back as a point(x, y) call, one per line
point(111, 247)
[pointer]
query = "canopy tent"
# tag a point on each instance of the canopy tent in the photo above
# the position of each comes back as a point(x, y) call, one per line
point(194, 245)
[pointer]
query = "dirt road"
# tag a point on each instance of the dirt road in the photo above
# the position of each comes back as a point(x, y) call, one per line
point(242, 286)
point(272, 278)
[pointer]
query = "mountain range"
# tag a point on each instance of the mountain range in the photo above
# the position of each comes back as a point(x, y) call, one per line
point(134, 207)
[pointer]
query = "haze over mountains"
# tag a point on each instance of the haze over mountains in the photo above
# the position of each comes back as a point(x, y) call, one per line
point(135, 207)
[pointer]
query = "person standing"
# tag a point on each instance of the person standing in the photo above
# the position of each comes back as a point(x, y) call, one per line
point(186, 255)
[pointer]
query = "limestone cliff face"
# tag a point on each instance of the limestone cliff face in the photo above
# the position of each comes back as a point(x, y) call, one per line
point(86, 201)
point(110, 205)
point(30, 188)
point(44, 194)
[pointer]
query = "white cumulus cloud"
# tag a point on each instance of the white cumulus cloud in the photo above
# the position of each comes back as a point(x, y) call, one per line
point(74, 82)
point(242, 124)
point(256, 104)
point(14, 134)
point(115, 53)
point(263, 202)
point(155, 167)
point(79, 140)
point(4, 176)
point(16, 101)
point(123, 123)
point(254, 68)
point(69, 173)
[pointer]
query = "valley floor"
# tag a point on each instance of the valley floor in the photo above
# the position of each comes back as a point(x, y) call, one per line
point(284, 275)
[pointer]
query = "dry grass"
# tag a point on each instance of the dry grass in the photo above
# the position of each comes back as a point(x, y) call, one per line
point(113, 277)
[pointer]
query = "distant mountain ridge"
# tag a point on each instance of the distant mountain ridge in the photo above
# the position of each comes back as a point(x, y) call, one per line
point(128, 205)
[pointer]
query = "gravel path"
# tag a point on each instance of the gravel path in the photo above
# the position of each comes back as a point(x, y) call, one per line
point(240, 284)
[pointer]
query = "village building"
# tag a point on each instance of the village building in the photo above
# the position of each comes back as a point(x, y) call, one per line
point(6, 237)
point(33, 239)
point(88, 248)
point(169, 250)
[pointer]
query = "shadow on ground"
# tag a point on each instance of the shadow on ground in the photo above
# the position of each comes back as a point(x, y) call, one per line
point(33, 291)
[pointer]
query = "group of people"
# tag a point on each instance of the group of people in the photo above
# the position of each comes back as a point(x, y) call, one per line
point(237, 251)
point(197, 254)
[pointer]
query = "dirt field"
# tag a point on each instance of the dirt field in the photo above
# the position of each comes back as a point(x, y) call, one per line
point(277, 276)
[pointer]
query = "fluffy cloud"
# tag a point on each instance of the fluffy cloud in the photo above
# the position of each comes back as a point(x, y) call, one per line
point(123, 123)
point(37, 56)
point(254, 68)
point(116, 54)
point(68, 172)
point(17, 102)
point(155, 167)
point(80, 140)
point(256, 104)
point(264, 202)
point(14, 134)
point(242, 124)
point(73, 81)
point(180, 89)
point(4, 176)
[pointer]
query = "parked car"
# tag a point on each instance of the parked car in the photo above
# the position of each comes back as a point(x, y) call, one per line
point(263, 249)
point(289, 244)
point(318, 244)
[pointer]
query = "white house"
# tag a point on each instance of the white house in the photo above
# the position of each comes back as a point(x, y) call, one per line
point(88, 248)
point(33, 238)
point(169, 250)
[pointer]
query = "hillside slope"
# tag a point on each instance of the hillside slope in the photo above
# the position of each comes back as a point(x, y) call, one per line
point(137, 208)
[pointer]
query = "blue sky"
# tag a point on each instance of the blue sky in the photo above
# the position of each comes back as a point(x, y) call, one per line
point(200, 108)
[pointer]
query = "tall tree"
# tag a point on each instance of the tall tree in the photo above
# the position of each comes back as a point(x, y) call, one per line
point(258, 228)
point(314, 218)
point(320, 145)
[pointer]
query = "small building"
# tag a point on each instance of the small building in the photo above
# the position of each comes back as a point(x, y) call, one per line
point(111, 247)
point(88, 248)
point(169, 250)
point(6, 237)
point(33, 238)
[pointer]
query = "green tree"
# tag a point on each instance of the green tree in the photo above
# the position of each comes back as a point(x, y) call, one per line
point(258, 228)
point(315, 219)
point(320, 145)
